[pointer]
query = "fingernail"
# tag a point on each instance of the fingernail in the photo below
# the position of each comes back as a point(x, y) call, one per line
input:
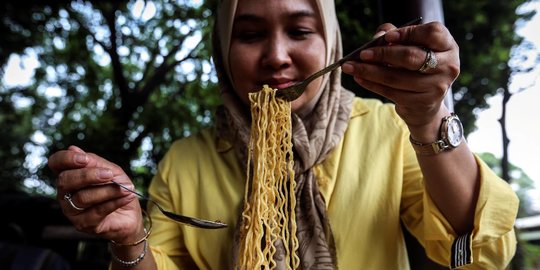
point(104, 173)
point(81, 158)
point(378, 34)
point(366, 54)
point(347, 68)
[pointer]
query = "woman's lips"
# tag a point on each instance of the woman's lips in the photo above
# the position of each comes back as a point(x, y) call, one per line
point(280, 85)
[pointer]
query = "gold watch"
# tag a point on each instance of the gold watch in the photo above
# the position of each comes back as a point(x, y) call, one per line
point(450, 137)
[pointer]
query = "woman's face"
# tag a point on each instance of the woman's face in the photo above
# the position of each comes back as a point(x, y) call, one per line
point(278, 43)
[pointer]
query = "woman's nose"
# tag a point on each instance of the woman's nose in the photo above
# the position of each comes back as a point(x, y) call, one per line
point(277, 54)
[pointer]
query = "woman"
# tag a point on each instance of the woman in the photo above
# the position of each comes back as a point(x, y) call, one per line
point(356, 168)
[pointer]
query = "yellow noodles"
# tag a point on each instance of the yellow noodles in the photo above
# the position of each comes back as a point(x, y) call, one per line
point(268, 229)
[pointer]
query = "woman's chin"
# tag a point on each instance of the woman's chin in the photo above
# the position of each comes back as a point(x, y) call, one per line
point(301, 106)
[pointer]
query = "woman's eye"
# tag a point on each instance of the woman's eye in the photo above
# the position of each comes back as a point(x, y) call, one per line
point(249, 36)
point(300, 33)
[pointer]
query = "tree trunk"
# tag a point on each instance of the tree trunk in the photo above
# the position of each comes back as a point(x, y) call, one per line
point(518, 260)
point(505, 170)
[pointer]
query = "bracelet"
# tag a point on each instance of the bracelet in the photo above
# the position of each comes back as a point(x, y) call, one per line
point(146, 233)
point(133, 263)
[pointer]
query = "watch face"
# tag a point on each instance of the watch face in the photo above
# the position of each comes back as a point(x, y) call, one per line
point(455, 132)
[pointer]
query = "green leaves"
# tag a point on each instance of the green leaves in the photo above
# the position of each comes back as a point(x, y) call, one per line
point(129, 77)
point(523, 184)
point(485, 32)
point(128, 72)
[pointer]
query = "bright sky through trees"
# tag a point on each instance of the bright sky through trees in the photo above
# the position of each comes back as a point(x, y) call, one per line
point(523, 124)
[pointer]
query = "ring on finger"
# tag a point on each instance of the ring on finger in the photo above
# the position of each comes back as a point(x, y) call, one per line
point(68, 198)
point(430, 62)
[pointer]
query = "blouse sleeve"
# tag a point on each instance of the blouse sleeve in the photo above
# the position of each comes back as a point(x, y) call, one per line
point(491, 244)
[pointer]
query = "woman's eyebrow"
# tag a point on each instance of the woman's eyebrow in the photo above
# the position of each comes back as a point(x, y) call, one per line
point(248, 17)
point(301, 14)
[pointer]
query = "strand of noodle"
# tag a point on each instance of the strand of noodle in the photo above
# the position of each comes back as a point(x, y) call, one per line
point(268, 211)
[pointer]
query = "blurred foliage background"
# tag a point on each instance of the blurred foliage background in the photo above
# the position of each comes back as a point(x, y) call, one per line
point(124, 79)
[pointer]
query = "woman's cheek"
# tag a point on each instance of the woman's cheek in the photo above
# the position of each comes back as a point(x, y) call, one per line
point(241, 71)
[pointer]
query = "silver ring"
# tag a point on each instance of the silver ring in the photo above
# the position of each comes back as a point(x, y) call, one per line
point(430, 62)
point(68, 197)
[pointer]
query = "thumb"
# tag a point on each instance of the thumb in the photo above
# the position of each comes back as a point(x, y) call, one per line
point(76, 149)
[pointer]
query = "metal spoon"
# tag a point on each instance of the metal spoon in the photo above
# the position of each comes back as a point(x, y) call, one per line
point(195, 222)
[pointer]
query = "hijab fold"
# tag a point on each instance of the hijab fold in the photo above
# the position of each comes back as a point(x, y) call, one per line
point(314, 137)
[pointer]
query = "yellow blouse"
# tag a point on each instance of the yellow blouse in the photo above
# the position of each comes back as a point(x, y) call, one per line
point(370, 182)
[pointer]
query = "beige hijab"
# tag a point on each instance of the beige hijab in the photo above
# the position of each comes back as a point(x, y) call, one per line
point(313, 137)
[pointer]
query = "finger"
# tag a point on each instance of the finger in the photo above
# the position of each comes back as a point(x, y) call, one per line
point(67, 159)
point(98, 161)
point(69, 207)
point(76, 179)
point(378, 88)
point(92, 218)
point(75, 158)
point(95, 195)
point(389, 93)
point(421, 101)
point(102, 210)
point(383, 28)
point(405, 80)
point(434, 36)
point(76, 149)
point(399, 56)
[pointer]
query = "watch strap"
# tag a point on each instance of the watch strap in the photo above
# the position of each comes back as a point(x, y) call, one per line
point(428, 149)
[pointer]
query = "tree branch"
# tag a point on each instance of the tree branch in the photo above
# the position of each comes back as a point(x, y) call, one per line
point(505, 140)
point(138, 140)
point(158, 76)
point(118, 70)
point(160, 73)
point(153, 54)
point(87, 31)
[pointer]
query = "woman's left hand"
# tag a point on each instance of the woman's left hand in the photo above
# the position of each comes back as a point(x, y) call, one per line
point(393, 71)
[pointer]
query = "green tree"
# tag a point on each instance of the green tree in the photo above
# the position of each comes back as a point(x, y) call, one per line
point(23, 25)
point(126, 78)
point(122, 79)
point(522, 183)
point(486, 39)
point(483, 29)
point(18, 117)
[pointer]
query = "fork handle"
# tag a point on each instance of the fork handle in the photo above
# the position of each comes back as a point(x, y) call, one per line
point(379, 41)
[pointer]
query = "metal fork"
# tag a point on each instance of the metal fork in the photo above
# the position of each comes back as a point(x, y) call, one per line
point(195, 222)
point(294, 91)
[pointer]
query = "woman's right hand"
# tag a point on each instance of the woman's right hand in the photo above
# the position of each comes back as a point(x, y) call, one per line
point(106, 210)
